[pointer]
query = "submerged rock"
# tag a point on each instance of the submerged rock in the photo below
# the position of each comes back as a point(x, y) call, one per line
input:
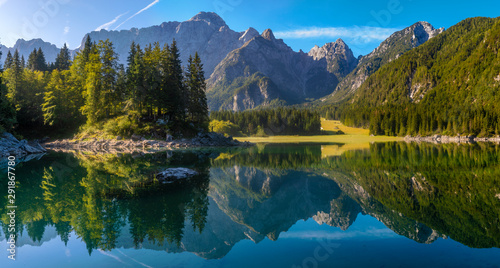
point(172, 175)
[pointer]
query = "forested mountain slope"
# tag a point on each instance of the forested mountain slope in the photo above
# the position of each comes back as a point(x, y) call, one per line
point(447, 85)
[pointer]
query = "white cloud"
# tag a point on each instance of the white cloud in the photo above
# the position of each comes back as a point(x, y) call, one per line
point(66, 29)
point(106, 25)
point(362, 34)
point(139, 12)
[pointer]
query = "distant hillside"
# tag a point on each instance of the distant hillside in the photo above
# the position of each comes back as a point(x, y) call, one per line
point(450, 84)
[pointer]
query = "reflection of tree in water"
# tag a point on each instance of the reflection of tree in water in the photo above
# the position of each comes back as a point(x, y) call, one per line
point(276, 156)
point(450, 188)
point(161, 218)
point(97, 199)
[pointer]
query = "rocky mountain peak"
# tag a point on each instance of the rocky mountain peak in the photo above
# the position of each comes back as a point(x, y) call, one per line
point(210, 17)
point(249, 34)
point(268, 34)
point(338, 55)
point(423, 31)
point(337, 47)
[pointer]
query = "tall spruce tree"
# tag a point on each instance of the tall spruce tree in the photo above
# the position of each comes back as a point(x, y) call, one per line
point(87, 48)
point(8, 61)
point(109, 73)
point(17, 75)
point(135, 80)
point(174, 89)
point(63, 59)
point(32, 60)
point(93, 109)
point(41, 63)
point(197, 99)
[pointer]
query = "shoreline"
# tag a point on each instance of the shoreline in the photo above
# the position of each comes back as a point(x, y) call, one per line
point(11, 146)
point(205, 140)
point(451, 139)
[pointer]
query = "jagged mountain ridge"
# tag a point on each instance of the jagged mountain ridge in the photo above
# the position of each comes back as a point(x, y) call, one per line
point(25, 48)
point(205, 33)
point(390, 49)
point(265, 71)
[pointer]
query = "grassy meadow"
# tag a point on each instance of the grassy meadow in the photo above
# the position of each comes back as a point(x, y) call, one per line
point(353, 139)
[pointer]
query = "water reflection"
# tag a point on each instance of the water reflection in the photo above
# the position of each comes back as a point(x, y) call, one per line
point(421, 191)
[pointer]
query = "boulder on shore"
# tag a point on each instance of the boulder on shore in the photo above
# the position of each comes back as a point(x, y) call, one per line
point(172, 175)
point(10, 146)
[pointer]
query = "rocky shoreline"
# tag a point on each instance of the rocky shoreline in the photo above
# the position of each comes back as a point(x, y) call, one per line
point(119, 145)
point(10, 146)
point(451, 139)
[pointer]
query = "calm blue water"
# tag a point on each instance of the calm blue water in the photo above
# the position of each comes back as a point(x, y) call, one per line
point(393, 205)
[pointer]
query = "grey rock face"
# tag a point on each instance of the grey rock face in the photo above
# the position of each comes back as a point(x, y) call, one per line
point(391, 49)
point(265, 70)
point(338, 55)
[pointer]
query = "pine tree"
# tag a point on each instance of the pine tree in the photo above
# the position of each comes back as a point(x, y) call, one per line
point(197, 100)
point(174, 89)
point(135, 80)
point(17, 74)
point(87, 48)
point(32, 60)
point(109, 61)
point(131, 56)
point(8, 61)
point(63, 59)
point(93, 109)
point(41, 64)
point(36, 61)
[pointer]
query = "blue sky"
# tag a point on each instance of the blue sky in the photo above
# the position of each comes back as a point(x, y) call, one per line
point(302, 24)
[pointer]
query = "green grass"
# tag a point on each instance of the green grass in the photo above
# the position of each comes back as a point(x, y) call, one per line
point(357, 136)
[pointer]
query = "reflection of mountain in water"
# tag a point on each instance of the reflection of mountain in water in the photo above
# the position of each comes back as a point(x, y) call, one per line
point(267, 203)
point(420, 191)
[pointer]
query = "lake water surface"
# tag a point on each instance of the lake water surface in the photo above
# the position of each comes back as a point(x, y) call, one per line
point(392, 205)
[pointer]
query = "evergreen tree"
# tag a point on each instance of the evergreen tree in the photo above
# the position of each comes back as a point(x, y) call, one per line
point(93, 109)
point(63, 59)
point(109, 61)
point(36, 61)
point(16, 80)
point(135, 80)
point(41, 64)
point(8, 61)
point(174, 89)
point(87, 48)
point(32, 60)
point(197, 100)
point(23, 62)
